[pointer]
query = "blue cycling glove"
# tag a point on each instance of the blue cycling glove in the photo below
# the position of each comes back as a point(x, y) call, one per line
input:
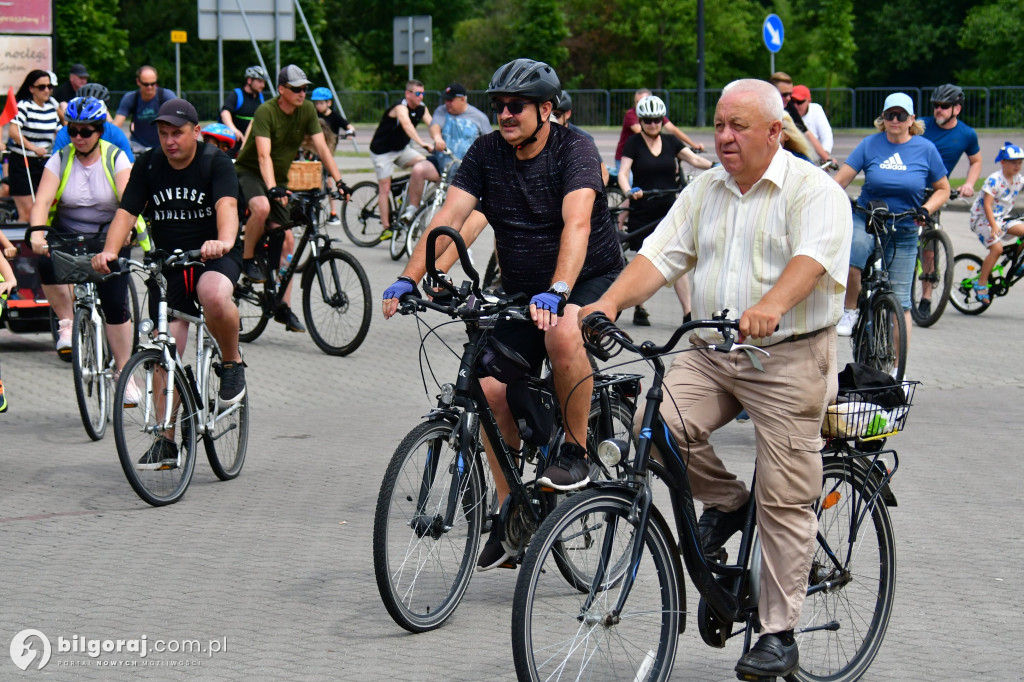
point(549, 301)
point(399, 289)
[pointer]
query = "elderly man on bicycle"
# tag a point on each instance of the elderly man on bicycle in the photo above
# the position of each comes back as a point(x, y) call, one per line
point(540, 188)
point(189, 193)
point(767, 236)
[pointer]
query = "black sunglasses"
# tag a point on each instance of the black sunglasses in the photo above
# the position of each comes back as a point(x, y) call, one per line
point(794, 100)
point(941, 105)
point(149, 85)
point(43, 87)
point(84, 133)
point(650, 121)
point(296, 90)
point(900, 116)
point(514, 107)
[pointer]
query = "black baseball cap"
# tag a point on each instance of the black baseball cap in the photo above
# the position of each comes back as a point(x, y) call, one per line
point(177, 112)
point(79, 70)
point(455, 90)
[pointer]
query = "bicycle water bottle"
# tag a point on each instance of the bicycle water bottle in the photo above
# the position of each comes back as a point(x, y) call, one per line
point(284, 268)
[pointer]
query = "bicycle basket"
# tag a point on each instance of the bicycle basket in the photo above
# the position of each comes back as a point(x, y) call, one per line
point(305, 175)
point(869, 413)
point(69, 268)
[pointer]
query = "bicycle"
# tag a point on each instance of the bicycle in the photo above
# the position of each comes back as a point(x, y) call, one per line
point(879, 336)
point(335, 289)
point(1005, 273)
point(626, 623)
point(157, 422)
point(405, 236)
point(933, 272)
point(360, 214)
point(435, 501)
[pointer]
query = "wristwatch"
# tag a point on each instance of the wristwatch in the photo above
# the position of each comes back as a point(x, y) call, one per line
point(561, 288)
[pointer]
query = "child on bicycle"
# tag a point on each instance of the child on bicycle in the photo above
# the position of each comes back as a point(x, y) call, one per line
point(990, 218)
point(8, 283)
point(221, 137)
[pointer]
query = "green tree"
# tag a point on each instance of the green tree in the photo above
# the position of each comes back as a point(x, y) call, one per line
point(992, 34)
point(89, 32)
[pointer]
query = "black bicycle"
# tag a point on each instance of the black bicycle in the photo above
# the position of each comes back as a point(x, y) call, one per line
point(625, 624)
point(335, 289)
point(933, 272)
point(436, 499)
point(360, 216)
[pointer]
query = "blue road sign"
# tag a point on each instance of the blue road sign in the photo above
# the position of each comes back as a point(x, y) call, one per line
point(773, 33)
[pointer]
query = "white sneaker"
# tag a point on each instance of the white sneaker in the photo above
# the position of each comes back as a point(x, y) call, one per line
point(847, 322)
point(132, 393)
point(408, 212)
point(64, 336)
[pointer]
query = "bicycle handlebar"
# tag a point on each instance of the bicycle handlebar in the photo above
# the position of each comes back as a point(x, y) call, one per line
point(467, 264)
point(600, 336)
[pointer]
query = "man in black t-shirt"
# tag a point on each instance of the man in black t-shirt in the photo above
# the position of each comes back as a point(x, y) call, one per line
point(241, 103)
point(188, 192)
point(540, 188)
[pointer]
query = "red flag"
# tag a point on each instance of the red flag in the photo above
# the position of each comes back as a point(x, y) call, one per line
point(10, 109)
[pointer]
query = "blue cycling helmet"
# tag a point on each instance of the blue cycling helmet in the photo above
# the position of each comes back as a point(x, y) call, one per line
point(1010, 152)
point(86, 110)
point(321, 95)
point(219, 131)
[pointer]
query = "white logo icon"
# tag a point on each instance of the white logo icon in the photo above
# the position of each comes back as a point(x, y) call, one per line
point(894, 162)
point(22, 653)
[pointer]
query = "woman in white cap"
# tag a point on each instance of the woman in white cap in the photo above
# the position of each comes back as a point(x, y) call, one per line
point(898, 164)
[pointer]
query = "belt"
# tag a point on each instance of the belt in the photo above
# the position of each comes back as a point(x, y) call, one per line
point(801, 337)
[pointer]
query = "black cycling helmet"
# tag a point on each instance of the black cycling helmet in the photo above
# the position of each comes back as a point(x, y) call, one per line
point(526, 78)
point(564, 102)
point(94, 90)
point(948, 94)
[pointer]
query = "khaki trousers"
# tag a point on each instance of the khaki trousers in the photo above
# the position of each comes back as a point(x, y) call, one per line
point(704, 390)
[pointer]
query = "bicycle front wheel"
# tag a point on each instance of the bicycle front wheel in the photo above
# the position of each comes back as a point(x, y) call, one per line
point(157, 455)
point(226, 432)
point(966, 269)
point(933, 276)
point(399, 230)
point(336, 302)
point(420, 223)
point(852, 580)
point(252, 318)
point(882, 341)
point(92, 376)
point(557, 629)
point(360, 215)
point(426, 532)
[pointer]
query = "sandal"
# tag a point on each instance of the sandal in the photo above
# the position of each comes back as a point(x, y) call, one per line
point(981, 293)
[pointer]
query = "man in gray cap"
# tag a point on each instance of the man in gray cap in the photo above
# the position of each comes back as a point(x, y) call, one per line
point(65, 92)
point(278, 128)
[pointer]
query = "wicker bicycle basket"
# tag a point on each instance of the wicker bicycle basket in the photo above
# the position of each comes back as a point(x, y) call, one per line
point(869, 413)
point(305, 175)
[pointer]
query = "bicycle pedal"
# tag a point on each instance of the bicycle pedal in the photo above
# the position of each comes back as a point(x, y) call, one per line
point(509, 563)
point(755, 678)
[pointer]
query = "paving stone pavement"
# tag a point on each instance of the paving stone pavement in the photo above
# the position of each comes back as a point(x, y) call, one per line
point(276, 566)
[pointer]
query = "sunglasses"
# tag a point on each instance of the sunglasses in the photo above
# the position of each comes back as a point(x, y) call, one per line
point(149, 85)
point(900, 116)
point(43, 87)
point(295, 89)
point(418, 93)
point(650, 121)
point(798, 101)
point(786, 95)
point(84, 133)
point(514, 107)
point(940, 105)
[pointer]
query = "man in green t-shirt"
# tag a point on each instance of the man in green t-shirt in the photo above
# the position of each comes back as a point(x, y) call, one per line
point(278, 129)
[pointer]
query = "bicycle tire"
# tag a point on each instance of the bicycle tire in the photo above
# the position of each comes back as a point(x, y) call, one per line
point(938, 243)
point(551, 629)
point(396, 245)
point(860, 596)
point(875, 343)
point(420, 223)
point(92, 375)
point(337, 323)
point(966, 268)
point(492, 273)
point(423, 599)
point(360, 214)
point(249, 297)
point(226, 432)
point(135, 428)
point(136, 312)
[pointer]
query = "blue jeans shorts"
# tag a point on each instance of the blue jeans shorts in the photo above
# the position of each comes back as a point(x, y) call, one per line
point(900, 253)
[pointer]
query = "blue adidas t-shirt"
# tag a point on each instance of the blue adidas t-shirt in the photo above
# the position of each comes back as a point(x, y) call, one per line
point(896, 173)
point(958, 140)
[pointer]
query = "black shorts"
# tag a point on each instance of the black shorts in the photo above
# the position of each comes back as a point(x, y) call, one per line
point(18, 177)
point(528, 341)
point(181, 284)
point(253, 186)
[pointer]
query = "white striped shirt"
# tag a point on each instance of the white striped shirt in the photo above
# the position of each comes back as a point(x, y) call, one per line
point(39, 124)
point(738, 244)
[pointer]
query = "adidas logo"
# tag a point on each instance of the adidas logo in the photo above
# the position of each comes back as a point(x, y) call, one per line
point(894, 162)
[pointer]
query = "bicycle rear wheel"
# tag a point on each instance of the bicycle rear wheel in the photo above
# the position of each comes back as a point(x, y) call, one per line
point(555, 630)
point(360, 215)
point(158, 471)
point(852, 580)
point(966, 269)
point(882, 341)
point(92, 374)
point(420, 223)
point(226, 432)
point(336, 302)
point(423, 559)
point(396, 246)
point(934, 267)
point(252, 315)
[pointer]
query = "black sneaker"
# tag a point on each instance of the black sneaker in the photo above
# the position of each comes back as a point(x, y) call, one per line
point(232, 382)
point(717, 526)
point(494, 554)
point(285, 316)
point(569, 471)
point(641, 318)
point(252, 271)
point(769, 658)
point(924, 308)
point(162, 454)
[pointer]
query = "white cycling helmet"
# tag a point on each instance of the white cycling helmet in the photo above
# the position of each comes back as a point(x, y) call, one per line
point(650, 107)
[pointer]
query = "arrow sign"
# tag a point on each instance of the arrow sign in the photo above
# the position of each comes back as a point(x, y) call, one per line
point(773, 33)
